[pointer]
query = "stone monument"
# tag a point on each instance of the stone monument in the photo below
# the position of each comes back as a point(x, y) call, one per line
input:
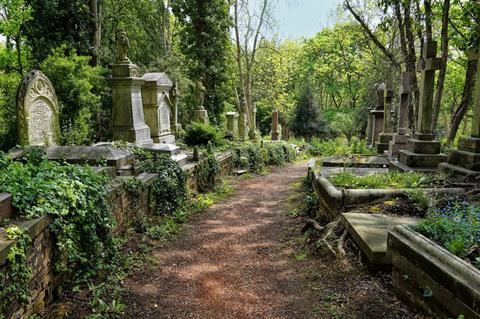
point(466, 160)
point(199, 114)
point(275, 128)
point(157, 106)
point(37, 111)
point(376, 115)
point(386, 136)
point(423, 150)
point(232, 123)
point(399, 141)
point(243, 127)
point(127, 113)
point(175, 124)
point(253, 124)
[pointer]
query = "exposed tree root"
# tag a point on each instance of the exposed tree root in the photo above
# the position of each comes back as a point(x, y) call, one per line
point(328, 240)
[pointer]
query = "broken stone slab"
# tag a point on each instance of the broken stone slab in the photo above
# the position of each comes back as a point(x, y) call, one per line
point(370, 233)
point(356, 161)
point(164, 148)
point(433, 279)
point(6, 208)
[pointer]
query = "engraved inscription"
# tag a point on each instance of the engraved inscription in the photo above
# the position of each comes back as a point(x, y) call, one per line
point(164, 118)
point(40, 124)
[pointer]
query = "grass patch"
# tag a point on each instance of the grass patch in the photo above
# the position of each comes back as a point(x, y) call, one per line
point(395, 180)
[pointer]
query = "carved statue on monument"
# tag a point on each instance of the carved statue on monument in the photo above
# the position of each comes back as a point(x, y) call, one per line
point(199, 94)
point(123, 47)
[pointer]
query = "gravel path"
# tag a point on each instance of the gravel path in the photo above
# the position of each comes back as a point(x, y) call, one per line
point(230, 263)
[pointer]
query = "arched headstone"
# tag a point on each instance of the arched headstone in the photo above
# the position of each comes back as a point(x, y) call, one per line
point(37, 111)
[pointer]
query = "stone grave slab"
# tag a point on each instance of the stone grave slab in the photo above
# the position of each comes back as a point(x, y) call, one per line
point(370, 233)
point(356, 161)
point(6, 208)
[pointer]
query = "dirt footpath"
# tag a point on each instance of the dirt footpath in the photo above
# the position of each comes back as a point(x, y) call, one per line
point(241, 259)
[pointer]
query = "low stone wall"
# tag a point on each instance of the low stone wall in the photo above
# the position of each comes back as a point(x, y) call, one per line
point(431, 278)
point(126, 208)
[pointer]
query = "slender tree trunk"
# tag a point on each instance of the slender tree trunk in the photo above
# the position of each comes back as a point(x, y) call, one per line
point(411, 67)
point(95, 31)
point(443, 67)
point(466, 100)
point(18, 47)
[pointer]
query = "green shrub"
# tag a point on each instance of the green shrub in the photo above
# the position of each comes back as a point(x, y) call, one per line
point(456, 226)
point(8, 110)
point(253, 157)
point(382, 180)
point(198, 134)
point(208, 171)
point(339, 146)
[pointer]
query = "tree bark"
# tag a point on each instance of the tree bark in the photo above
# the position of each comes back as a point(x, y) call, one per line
point(443, 67)
point(466, 100)
point(411, 67)
point(95, 36)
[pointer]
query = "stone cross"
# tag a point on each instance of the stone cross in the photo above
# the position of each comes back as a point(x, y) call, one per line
point(388, 98)
point(37, 111)
point(427, 66)
point(404, 103)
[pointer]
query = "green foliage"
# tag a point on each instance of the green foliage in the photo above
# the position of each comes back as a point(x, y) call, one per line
point(76, 199)
point(307, 121)
point(205, 41)
point(82, 92)
point(420, 199)
point(201, 134)
point(381, 180)
point(455, 225)
point(208, 171)
point(253, 157)
point(15, 281)
point(8, 107)
point(339, 146)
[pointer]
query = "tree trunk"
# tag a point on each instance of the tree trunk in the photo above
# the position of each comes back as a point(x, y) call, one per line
point(95, 36)
point(443, 67)
point(410, 66)
point(466, 100)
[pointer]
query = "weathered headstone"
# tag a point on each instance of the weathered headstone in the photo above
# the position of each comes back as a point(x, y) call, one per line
point(399, 141)
point(127, 112)
point(387, 134)
point(37, 111)
point(157, 106)
point(232, 123)
point(377, 113)
point(199, 113)
point(175, 124)
point(466, 160)
point(423, 150)
point(275, 128)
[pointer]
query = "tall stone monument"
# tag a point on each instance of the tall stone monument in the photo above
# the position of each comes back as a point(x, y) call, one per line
point(466, 160)
point(386, 136)
point(127, 113)
point(423, 150)
point(199, 113)
point(232, 123)
point(399, 141)
point(157, 106)
point(376, 115)
point(175, 124)
point(37, 111)
point(275, 128)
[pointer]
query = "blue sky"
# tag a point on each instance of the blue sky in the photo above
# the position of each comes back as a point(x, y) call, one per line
point(297, 18)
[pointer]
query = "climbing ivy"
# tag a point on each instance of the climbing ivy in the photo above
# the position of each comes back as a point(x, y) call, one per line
point(208, 171)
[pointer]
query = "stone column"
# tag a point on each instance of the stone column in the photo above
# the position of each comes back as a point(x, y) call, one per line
point(127, 106)
point(253, 125)
point(369, 132)
point(387, 134)
point(275, 129)
point(378, 113)
point(176, 126)
point(423, 151)
point(232, 123)
point(466, 160)
point(399, 141)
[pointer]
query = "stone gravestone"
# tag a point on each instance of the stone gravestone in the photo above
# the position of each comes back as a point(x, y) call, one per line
point(37, 111)
point(127, 105)
point(232, 123)
point(199, 114)
point(399, 141)
point(423, 150)
point(275, 128)
point(157, 106)
point(387, 134)
point(466, 160)
point(376, 115)
point(175, 124)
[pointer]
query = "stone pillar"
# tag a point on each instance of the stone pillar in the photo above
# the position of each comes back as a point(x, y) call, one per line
point(232, 123)
point(275, 129)
point(127, 106)
point(175, 124)
point(399, 141)
point(423, 151)
point(466, 160)
point(369, 132)
point(253, 125)
point(377, 114)
point(157, 106)
point(387, 134)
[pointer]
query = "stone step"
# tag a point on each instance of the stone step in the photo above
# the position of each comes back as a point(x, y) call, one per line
point(456, 170)
point(395, 165)
point(417, 160)
point(370, 233)
point(181, 159)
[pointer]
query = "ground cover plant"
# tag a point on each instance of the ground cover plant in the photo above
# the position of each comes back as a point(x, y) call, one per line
point(455, 224)
point(381, 180)
point(256, 156)
point(339, 146)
